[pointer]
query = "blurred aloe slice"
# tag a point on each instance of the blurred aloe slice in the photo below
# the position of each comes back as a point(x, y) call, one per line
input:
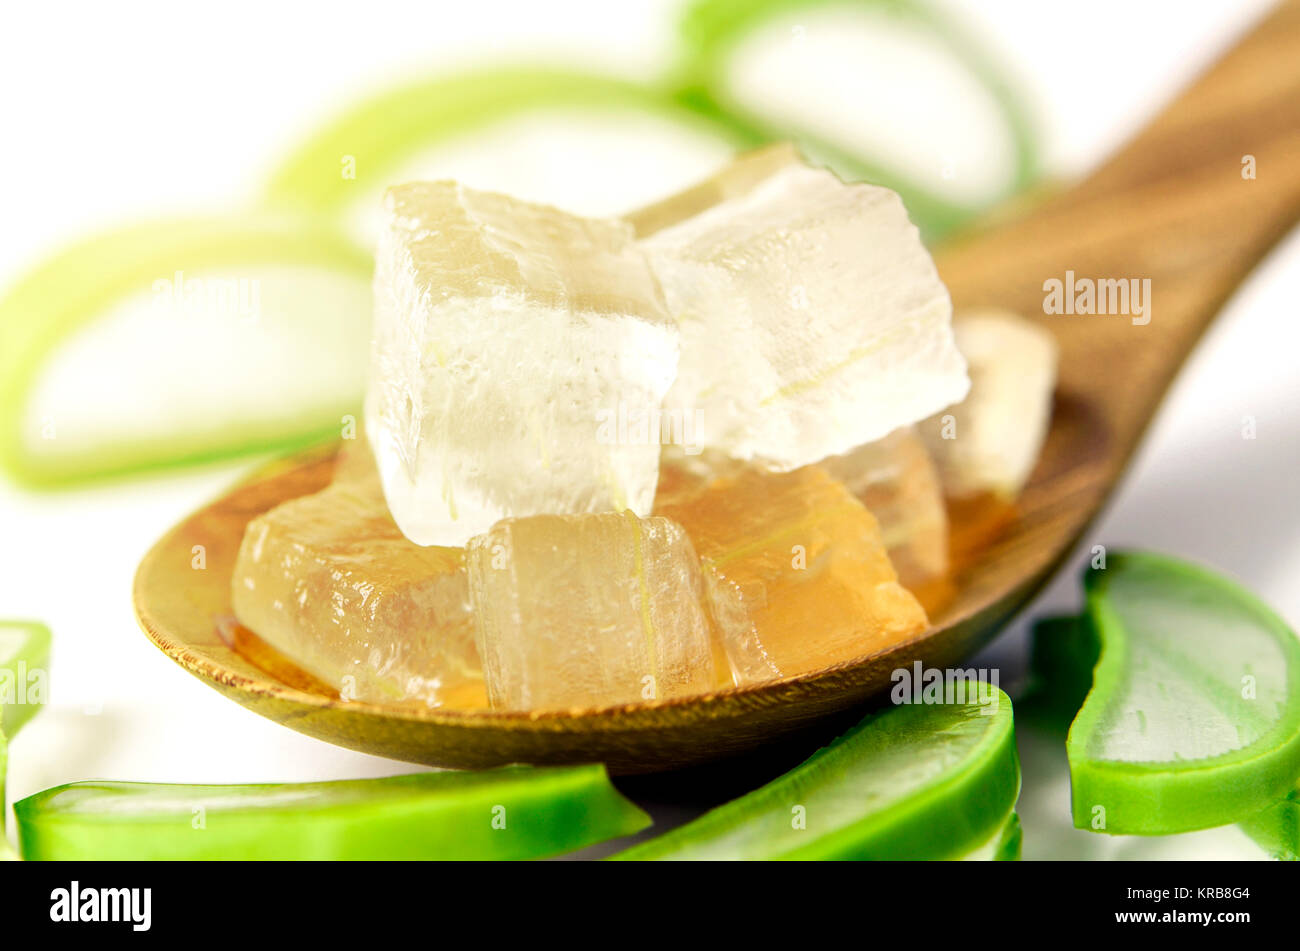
point(1193, 720)
point(589, 143)
point(24, 673)
point(6, 852)
point(1277, 829)
point(1063, 652)
point(917, 781)
point(180, 341)
point(853, 80)
point(517, 812)
point(24, 686)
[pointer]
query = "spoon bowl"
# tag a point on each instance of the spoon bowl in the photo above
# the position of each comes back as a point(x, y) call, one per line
point(1172, 211)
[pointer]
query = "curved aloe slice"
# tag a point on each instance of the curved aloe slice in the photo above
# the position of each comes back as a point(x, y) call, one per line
point(1063, 653)
point(24, 673)
point(367, 148)
point(916, 781)
point(714, 29)
point(256, 331)
point(1193, 720)
point(511, 813)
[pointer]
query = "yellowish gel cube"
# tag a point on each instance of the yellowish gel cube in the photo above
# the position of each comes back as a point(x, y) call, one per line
point(588, 610)
point(330, 582)
point(795, 570)
point(897, 481)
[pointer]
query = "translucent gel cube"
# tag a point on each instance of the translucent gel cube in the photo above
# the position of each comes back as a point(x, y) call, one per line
point(735, 180)
point(795, 571)
point(588, 610)
point(509, 338)
point(812, 318)
point(895, 478)
point(330, 582)
point(990, 442)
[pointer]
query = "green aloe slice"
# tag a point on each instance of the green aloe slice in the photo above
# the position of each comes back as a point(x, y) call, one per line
point(256, 330)
point(1277, 829)
point(1063, 653)
point(509, 813)
point(354, 157)
point(24, 672)
point(1193, 720)
point(917, 781)
point(713, 30)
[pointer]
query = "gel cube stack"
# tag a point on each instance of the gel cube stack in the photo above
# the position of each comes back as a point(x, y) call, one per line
point(793, 326)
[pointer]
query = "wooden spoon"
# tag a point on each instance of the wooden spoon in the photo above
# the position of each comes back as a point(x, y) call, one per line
point(1174, 207)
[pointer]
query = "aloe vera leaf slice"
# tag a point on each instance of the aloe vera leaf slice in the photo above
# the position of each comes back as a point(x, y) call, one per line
point(1277, 829)
point(384, 133)
point(275, 385)
point(1193, 720)
point(510, 813)
point(914, 781)
point(24, 672)
point(1063, 652)
point(713, 29)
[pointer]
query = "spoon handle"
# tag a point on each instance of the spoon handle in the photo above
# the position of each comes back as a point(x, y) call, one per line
point(1190, 205)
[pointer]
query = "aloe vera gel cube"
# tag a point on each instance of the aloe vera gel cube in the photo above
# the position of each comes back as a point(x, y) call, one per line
point(507, 336)
point(588, 610)
point(813, 319)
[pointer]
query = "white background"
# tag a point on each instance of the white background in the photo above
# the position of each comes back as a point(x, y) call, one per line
point(114, 112)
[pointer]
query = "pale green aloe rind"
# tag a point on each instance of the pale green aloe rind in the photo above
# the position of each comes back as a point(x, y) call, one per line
point(382, 132)
point(24, 672)
point(1179, 795)
point(713, 28)
point(71, 289)
point(510, 813)
point(1277, 829)
point(967, 787)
